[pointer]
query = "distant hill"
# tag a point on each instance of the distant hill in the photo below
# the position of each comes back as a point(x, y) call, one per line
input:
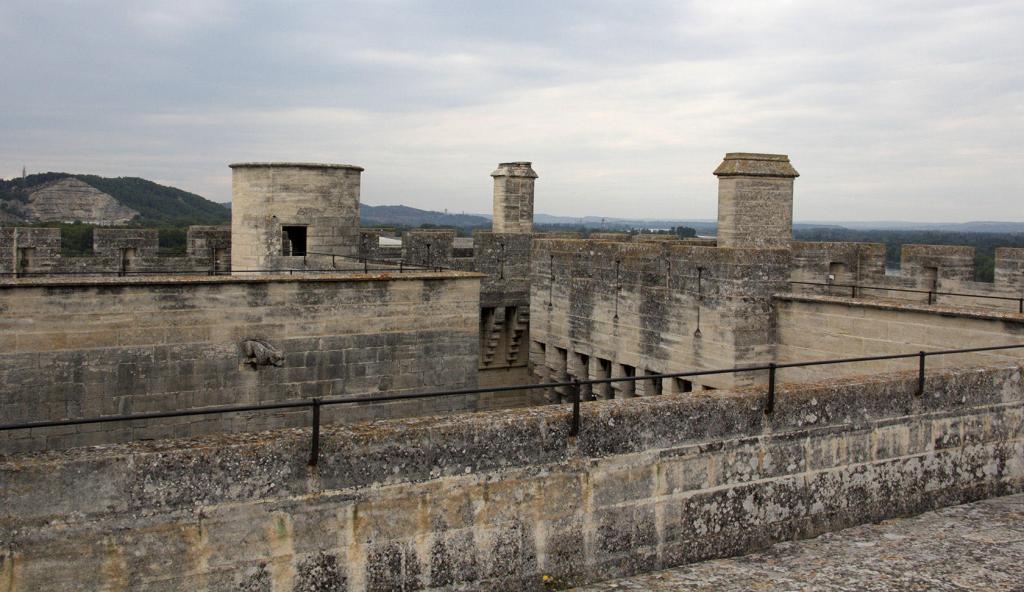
point(407, 216)
point(65, 197)
point(973, 226)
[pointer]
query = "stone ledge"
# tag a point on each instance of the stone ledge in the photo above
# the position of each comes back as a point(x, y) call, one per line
point(902, 306)
point(746, 164)
point(294, 165)
point(275, 277)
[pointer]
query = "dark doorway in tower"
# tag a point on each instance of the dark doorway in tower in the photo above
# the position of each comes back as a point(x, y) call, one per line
point(293, 241)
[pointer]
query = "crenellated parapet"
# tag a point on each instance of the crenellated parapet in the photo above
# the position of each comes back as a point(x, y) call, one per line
point(38, 251)
point(428, 248)
point(928, 273)
point(634, 308)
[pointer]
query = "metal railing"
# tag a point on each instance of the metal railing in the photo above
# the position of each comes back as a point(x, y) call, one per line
point(574, 386)
point(931, 293)
point(368, 265)
point(400, 262)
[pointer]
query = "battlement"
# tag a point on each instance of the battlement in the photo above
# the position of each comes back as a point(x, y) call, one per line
point(33, 251)
point(931, 269)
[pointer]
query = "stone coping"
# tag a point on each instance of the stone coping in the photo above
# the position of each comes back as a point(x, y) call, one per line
point(295, 165)
point(539, 434)
point(163, 280)
point(902, 306)
point(750, 164)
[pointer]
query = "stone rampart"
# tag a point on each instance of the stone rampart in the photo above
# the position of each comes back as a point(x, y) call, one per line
point(92, 347)
point(37, 251)
point(497, 500)
point(613, 308)
point(925, 268)
point(809, 327)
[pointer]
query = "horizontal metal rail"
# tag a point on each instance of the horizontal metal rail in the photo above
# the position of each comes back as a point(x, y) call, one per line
point(367, 263)
point(573, 384)
point(854, 287)
point(401, 267)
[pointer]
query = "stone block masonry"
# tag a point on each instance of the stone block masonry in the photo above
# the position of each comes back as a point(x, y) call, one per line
point(495, 501)
point(513, 197)
point(940, 274)
point(37, 251)
point(607, 308)
point(281, 211)
point(755, 200)
point(92, 347)
point(810, 327)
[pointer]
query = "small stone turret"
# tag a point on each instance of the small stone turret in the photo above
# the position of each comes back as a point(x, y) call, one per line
point(283, 211)
point(513, 197)
point(755, 200)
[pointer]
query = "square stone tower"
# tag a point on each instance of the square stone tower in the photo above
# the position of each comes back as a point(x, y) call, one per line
point(513, 197)
point(755, 200)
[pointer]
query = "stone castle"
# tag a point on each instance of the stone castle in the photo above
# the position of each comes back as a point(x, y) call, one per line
point(296, 302)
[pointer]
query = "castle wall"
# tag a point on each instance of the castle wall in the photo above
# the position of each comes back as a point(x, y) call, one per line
point(92, 347)
point(823, 327)
point(504, 260)
point(601, 308)
point(496, 501)
point(923, 268)
point(428, 248)
point(115, 251)
point(28, 250)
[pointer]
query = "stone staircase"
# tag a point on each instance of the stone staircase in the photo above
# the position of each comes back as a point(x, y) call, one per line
point(520, 329)
point(495, 327)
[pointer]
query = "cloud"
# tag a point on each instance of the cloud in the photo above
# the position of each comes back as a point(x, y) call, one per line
point(905, 109)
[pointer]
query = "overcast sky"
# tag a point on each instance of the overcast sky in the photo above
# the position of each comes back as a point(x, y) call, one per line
point(907, 110)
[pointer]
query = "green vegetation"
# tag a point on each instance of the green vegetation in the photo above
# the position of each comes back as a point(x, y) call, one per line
point(157, 205)
point(167, 209)
point(76, 238)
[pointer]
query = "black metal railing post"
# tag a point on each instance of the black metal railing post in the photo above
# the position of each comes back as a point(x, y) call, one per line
point(920, 373)
point(1020, 306)
point(574, 428)
point(314, 450)
point(769, 406)
point(366, 265)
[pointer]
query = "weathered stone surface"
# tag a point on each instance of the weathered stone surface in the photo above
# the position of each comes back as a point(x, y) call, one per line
point(513, 197)
point(814, 327)
point(323, 198)
point(498, 500)
point(640, 308)
point(89, 347)
point(976, 546)
point(37, 252)
point(749, 164)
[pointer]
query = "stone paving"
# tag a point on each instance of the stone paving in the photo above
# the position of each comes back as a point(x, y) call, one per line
point(976, 546)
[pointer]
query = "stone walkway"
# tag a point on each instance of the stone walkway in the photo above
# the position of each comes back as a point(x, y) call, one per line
point(976, 546)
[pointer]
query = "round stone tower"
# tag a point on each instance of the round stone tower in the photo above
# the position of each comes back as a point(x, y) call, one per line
point(283, 211)
point(755, 200)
